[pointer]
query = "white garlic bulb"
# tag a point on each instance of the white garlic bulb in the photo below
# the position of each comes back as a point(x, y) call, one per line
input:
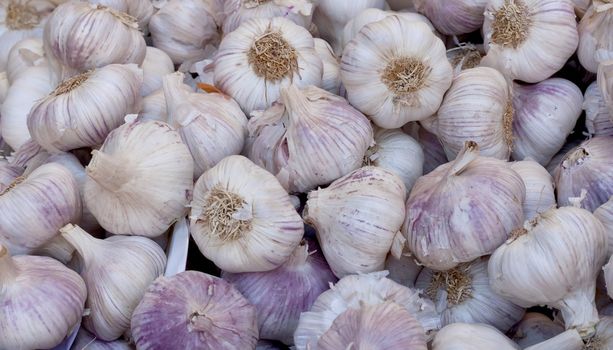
point(357, 219)
point(453, 18)
point(117, 272)
point(604, 213)
point(466, 336)
point(33, 85)
point(598, 120)
point(141, 10)
point(239, 11)
point(529, 40)
point(595, 41)
point(539, 187)
point(463, 294)
point(42, 300)
point(24, 54)
point(472, 204)
point(183, 28)
point(605, 83)
point(155, 66)
point(51, 196)
point(211, 125)
point(535, 328)
point(262, 56)
point(331, 78)
point(242, 219)
point(392, 79)
point(354, 292)
point(477, 107)
point(80, 36)
point(140, 180)
point(403, 270)
point(588, 167)
point(561, 251)
point(545, 114)
point(310, 138)
point(69, 118)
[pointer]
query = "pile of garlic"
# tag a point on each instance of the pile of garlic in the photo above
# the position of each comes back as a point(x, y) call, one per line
point(353, 174)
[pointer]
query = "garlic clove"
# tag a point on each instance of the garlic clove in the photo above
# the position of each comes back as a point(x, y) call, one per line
point(240, 11)
point(155, 66)
point(8, 174)
point(539, 188)
point(331, 78)
point(465, 336)
point(595, 43)
point(458, 17)
point(598, 121)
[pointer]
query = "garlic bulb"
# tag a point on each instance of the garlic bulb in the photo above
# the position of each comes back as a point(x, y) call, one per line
point(86, 340)
point(211, 125)
point(8, 174)
point(80, 36)
point(453, 18)
point(392, 79)
point(69, 118)
point(398, 5)
point(568, 245)
point(477, 107)
point(465, 336)
point(535, 328)
point(51, 196)
point(472, 204)
point(141, 10)
point(463, 294)
point(589, 167)
point(603, 339)
point(280, 295)
point(331, 78)
point(382, 326)
point(595, 42)
point(243, 223)
point(434, 154)
point(139, 181)
point(154, 105)
point(539, 187)
point(4, 87)
point(598, 120)
point(403, 270)
point(355, 292)
point(464, 56)
point(357, 219)
point(262, 56)
point(605, 83)
point(608, 276)
point(559, 157)
point(240, 11)
point(183, 28)
point(310, 138)
point(529, 40)
point(581, 7)
point(24, 54)
point(155, 66)
point(117, 272)
point(604, 213)
point(397, 152)
point(194, 310)
point(41, 301)
point(545, 114)
point(32, 85)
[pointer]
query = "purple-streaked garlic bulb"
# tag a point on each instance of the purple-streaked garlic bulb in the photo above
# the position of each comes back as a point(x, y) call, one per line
point(595, 40)
point(86, 340)
point(280, 295)
point(535, 328)
point(193, 310)
point(605, 83)
point(453, 18)
point(140, 10)
point(598, 120)
point(539, 187)
point(8, 174)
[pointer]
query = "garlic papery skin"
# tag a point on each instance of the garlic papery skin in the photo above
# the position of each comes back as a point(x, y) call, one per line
point(603, 339)
point(529, 40)
point(240, 11)
point(26, 53)
point(86, 340)
point(32, 85)
point(466, 336)
point(561, 251)
point(595, 42)
point(183, 28)
point(331, 78)
point(545, 114)
point(357, 219)
point(41, 301)
point(605, 83)
point(212, 125)
point(139, 181)
point(463, 294)
point(559, 157)
point(535, 328)
point(141, 10)
point(244, 66)
point(51, 196)
point(472, 204)
point(392, 79)
point(404, 270)
point(117, 272)
point(154, 106)
point(194, 310)
point(310, 138)
point(477, 108)
point(381, 326)
point(397, 152)
point(243, 224)
point(588, 167)
point(280, 295)
point(355, 292)
point(69, 118)
point(598, 121)
point(539, 187)
point(453, 18)
point(76, 32)
point(155, 66)
point(604, 213)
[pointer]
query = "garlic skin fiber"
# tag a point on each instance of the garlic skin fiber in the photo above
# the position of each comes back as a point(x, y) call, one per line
point(529, 40)
point(194, 310)
point(466, 336)
point(155, 66)
point(239, 11)
point(243, 223)
point(595, 42)
point(140, 180)
point(41, 301)
point(463, 210)
point(539, 187)
point(400, 78)
point(453, 18)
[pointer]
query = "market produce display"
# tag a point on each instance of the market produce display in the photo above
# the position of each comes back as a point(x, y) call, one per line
point(306, 174)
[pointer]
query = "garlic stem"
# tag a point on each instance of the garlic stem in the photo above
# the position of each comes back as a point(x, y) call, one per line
point(108, 171)
point(8, 270)
point(199, 322)
point(469, 153)
point(579, 311)
point(299, 256)
point(82, 241)
point(295, 100)
point(175, 98)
